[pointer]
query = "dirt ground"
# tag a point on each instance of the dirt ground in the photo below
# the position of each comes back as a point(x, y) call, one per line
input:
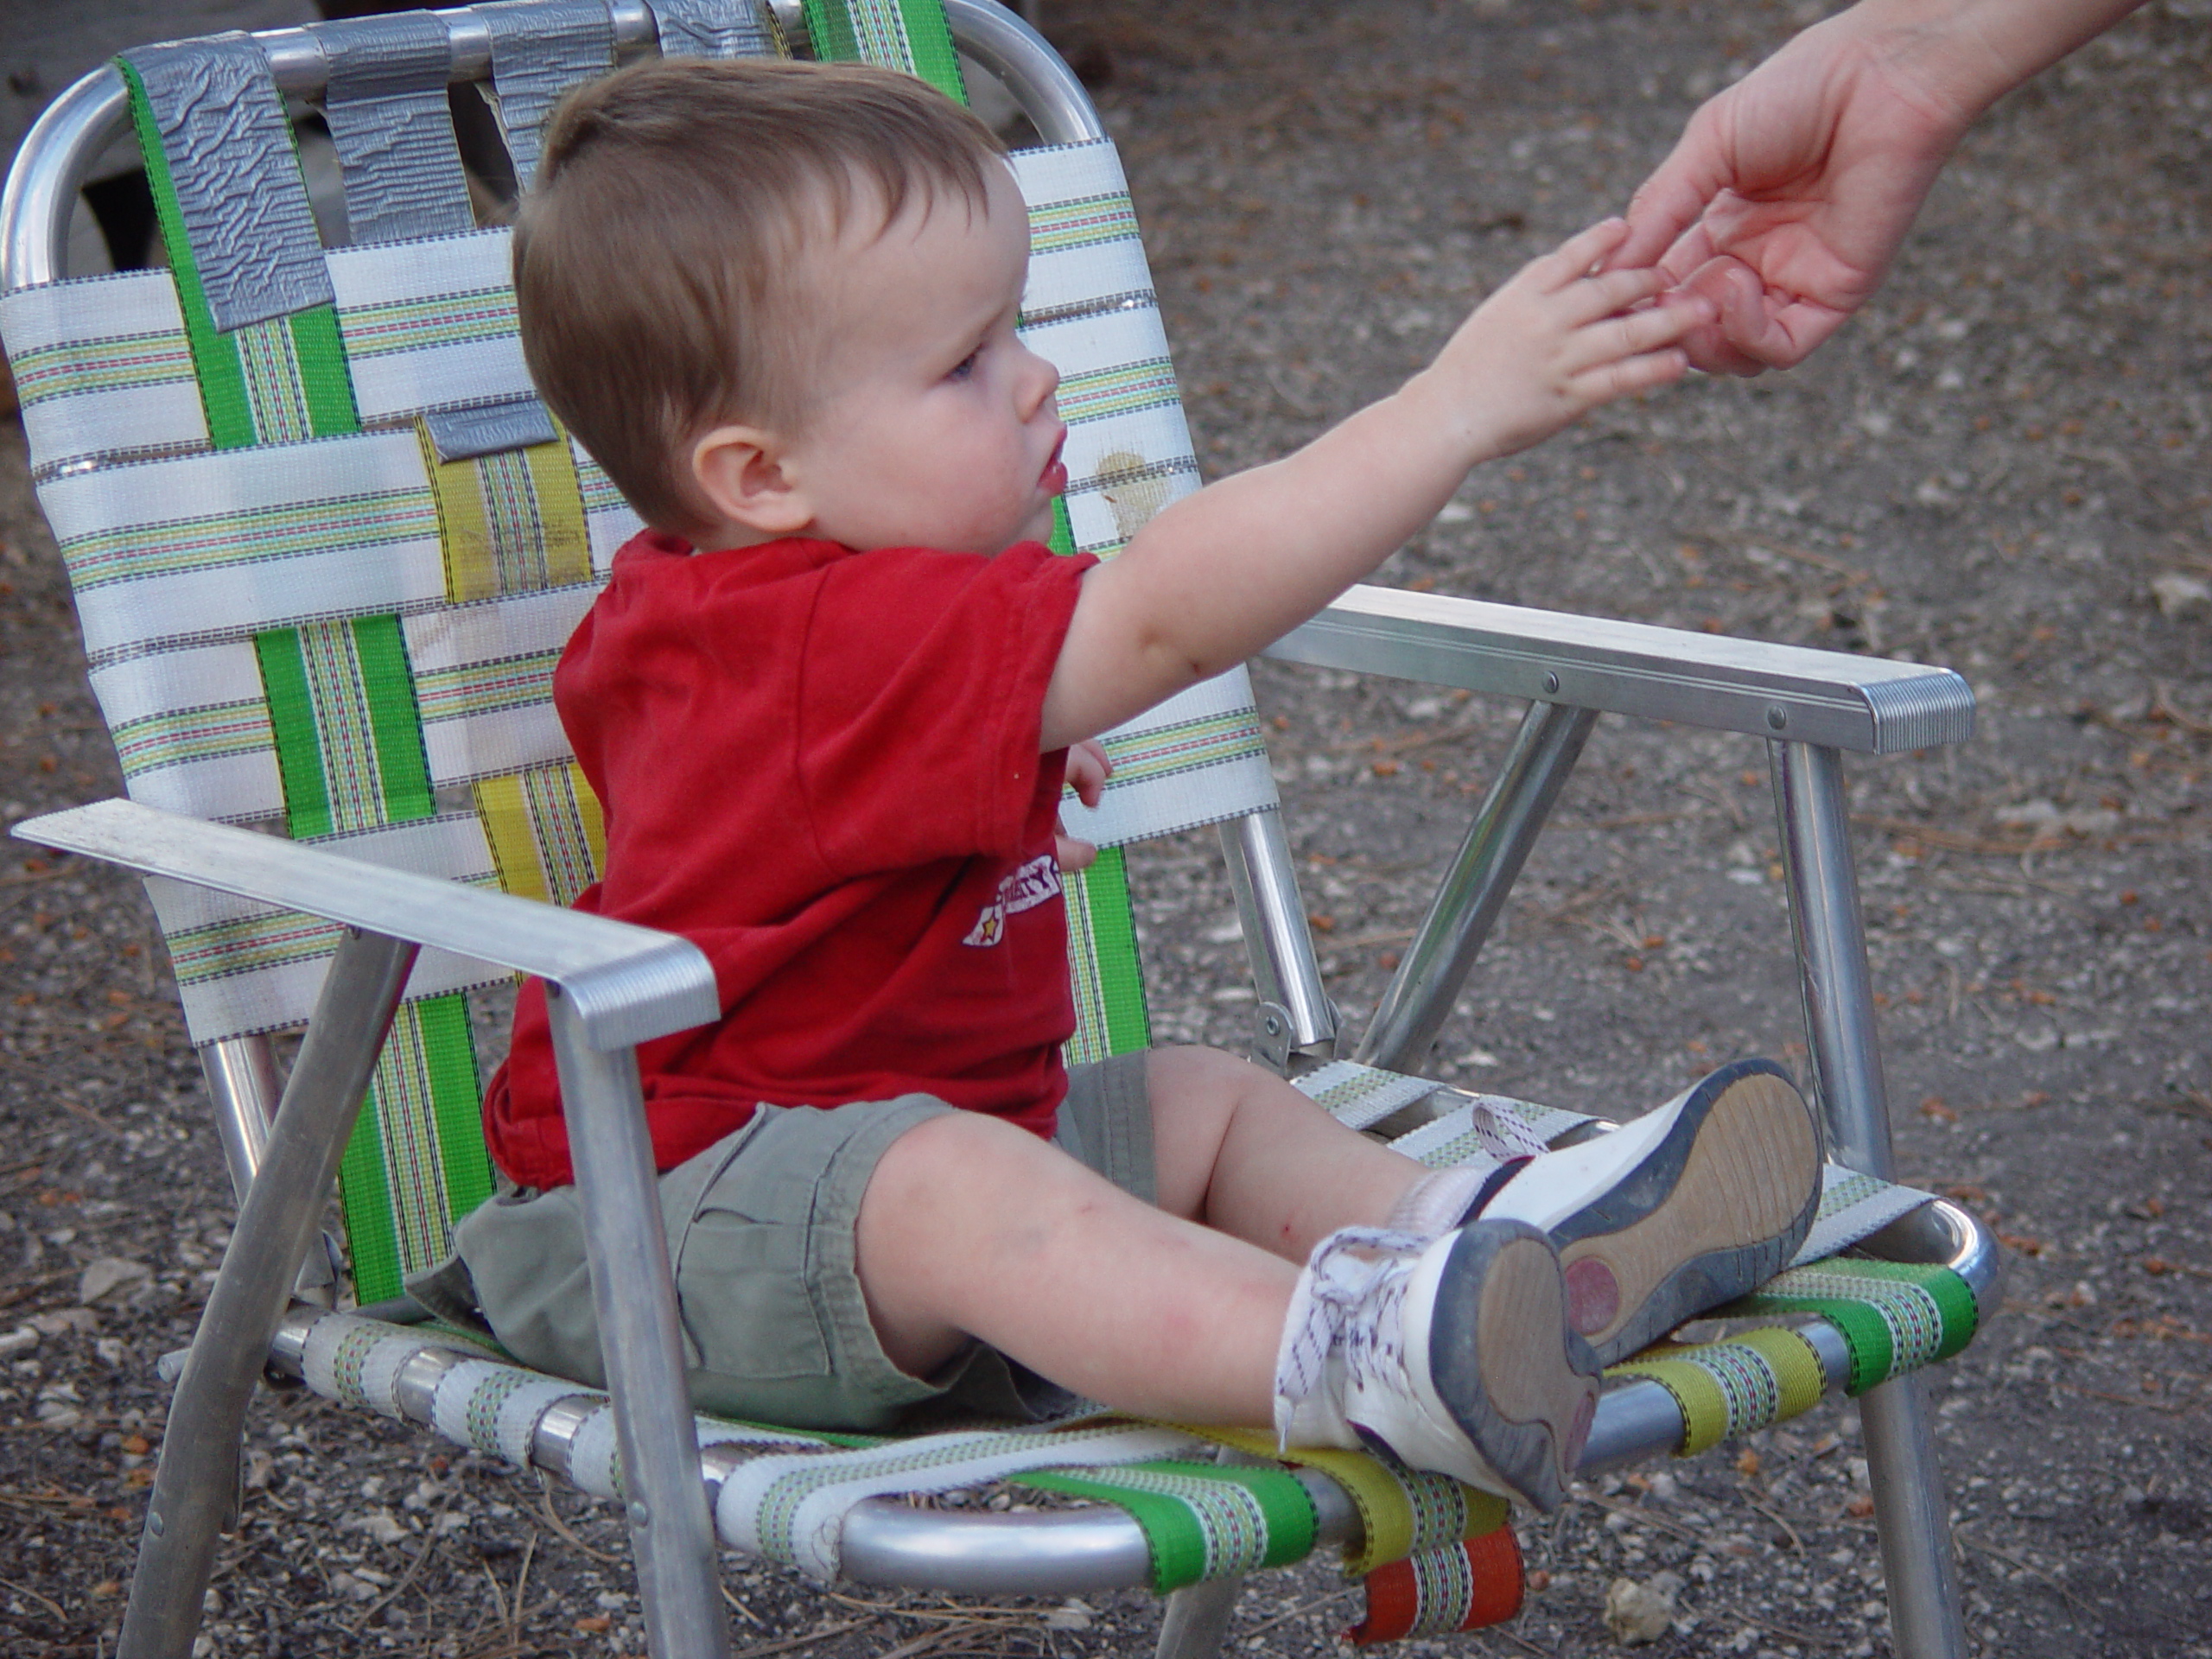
point(2001, 465)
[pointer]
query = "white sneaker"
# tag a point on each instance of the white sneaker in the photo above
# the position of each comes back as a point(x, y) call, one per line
point(1688, 1207)
point(1453, 1353)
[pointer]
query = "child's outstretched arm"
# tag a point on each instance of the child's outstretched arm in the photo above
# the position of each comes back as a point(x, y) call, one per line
point(1223, 573)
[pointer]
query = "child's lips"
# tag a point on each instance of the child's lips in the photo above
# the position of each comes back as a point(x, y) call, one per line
point(1054, 479)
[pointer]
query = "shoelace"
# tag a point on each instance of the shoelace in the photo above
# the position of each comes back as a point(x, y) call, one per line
point(1338, 1308)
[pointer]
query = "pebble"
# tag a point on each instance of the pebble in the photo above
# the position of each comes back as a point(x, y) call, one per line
point(1639, 1613)
point(18, 1342)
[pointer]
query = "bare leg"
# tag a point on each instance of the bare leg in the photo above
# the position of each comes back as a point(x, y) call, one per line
point(1239, 1149)
point(971, 1227)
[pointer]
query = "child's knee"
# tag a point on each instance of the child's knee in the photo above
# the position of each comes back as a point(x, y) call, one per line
point(1188, 1072)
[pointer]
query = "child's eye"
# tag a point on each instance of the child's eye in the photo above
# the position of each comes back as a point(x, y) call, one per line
point(966, 366)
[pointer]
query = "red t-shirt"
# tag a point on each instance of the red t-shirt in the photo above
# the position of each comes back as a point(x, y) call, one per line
point(821, 767)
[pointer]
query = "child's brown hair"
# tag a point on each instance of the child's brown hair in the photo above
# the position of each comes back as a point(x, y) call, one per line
point(659, 258)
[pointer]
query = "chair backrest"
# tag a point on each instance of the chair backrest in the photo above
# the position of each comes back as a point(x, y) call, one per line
point(327, 543)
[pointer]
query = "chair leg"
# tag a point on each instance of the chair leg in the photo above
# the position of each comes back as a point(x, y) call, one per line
point(195, 1484)
point(633, 1294)
point(1911, 1515)
point(1472, 893)
point(1196, 1619)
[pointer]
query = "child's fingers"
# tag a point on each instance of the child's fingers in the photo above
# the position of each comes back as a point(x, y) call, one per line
point(1579, 254)
point(1633, 334)
point(1623, 376)
point(1614, 290)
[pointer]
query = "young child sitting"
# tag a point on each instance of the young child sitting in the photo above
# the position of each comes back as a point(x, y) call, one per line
point(828, 701)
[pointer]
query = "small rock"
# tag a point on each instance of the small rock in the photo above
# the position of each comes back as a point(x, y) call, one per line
point(2179, 595)
point(19, 1341)
point(1073, 1614)
point(63, 1320)
point(382, 1527)
point(110, 1276)
point(1636, 1613)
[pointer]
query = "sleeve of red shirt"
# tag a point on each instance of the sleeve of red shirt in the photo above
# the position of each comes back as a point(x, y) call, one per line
point(921, 695)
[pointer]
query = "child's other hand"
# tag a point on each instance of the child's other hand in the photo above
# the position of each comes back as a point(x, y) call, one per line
point(1559, 340)
point(1088, 770)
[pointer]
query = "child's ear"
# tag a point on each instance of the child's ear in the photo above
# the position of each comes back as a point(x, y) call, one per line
point(741, 473)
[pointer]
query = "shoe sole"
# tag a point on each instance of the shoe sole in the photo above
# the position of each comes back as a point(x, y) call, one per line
point(1502, 1361)
point(1716, 1208)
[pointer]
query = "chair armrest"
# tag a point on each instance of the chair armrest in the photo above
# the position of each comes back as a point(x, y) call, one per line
point(1824, 698)
point(626, 983)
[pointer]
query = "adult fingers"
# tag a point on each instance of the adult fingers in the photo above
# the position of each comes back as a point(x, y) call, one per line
point(1757, 327)
point(1675, 195)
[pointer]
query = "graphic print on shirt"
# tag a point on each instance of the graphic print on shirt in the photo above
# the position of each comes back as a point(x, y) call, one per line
point(1027, 887)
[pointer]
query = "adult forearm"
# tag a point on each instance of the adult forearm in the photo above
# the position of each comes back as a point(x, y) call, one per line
point(1971, 53)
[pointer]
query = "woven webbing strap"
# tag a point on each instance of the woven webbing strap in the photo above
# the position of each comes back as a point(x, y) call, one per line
point(1895, 1316)
point(1461, 1586)
point(1730, 1387)
point(790, 1493)
point(254, 294)
point(1202, 1521)
point(911, 35)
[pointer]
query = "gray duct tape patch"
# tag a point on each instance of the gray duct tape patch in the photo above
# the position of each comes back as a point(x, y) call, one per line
point(222, 127)
point(394, 132)
point(714, 29)
point(488, 428)
point(539, 52)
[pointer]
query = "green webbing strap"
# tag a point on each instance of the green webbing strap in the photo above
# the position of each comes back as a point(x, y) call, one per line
point(1103, 970)
point(349, 749)
point(1107, 974)
point(416, 1156)
point(1062, 540)
point(1895, 1316)
point(908, 35)
point(279, 379)
point(1200, 1521)
point(349, 738)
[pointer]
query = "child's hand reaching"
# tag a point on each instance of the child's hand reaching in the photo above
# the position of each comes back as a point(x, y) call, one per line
point(1088, 770)
point(1557, 341)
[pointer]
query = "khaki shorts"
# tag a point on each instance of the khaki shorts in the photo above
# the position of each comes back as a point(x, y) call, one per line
point(761, 1228)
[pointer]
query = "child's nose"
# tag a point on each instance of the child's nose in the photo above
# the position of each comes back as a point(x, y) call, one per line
point(1041, 382)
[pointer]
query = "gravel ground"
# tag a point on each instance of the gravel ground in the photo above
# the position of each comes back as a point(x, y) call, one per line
point(2000, 466)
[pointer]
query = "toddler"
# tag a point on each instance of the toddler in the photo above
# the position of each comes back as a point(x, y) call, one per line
point(828, 701)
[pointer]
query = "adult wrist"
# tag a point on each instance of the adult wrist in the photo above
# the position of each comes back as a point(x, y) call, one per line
point(1966, 55)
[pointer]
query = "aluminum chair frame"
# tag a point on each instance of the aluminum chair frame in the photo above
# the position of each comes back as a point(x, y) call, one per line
point(615, 985)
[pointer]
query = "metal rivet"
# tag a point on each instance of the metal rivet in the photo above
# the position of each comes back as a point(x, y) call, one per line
point(1777, 718)
point(153, 1521)
point(640, 1515)
point(1551, 682)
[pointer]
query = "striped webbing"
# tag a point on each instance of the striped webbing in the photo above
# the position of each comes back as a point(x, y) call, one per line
point(339, 693)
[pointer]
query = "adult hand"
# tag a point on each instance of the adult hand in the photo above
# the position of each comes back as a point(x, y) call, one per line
point(1788, 194)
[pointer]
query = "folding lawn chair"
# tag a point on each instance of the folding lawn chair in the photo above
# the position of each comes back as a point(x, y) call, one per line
point(326, 544)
